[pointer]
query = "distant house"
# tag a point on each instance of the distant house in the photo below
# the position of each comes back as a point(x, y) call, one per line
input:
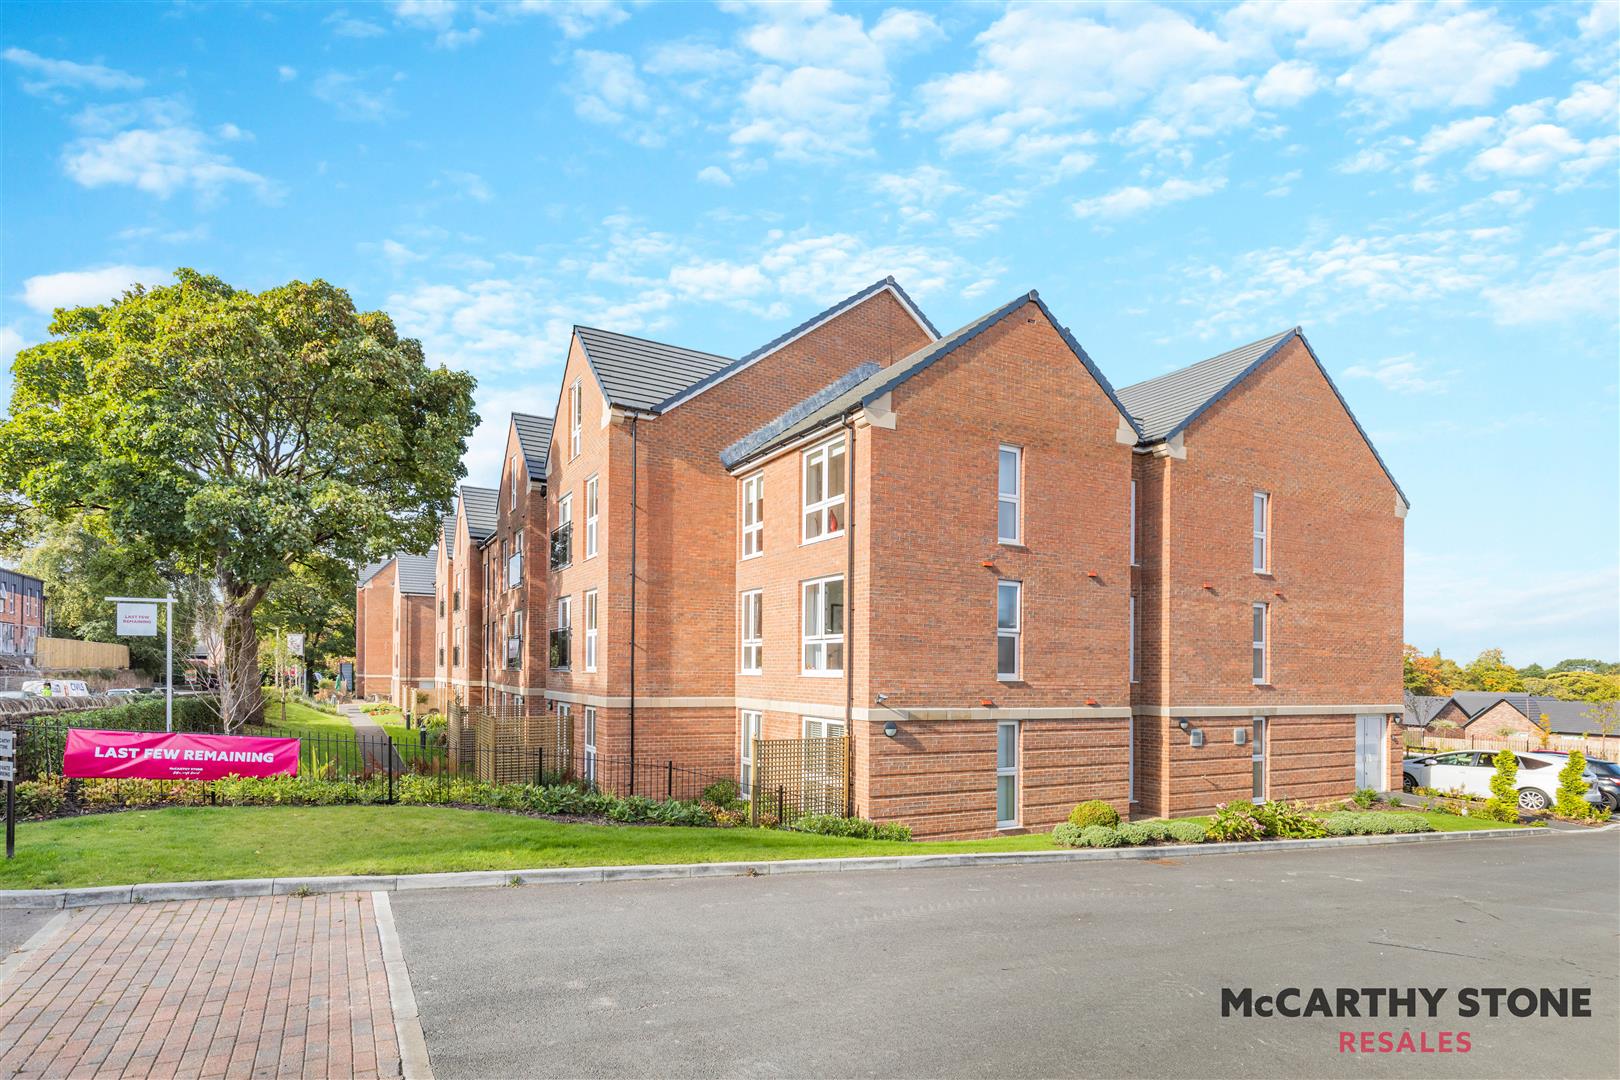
point(1488, 714)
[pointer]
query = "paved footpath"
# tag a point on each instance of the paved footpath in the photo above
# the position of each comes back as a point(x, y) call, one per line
point(253, 987)
point(372, 738)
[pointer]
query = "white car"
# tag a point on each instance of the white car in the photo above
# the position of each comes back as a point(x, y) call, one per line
point(1470, 771)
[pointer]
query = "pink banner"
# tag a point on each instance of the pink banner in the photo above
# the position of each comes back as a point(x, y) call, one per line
point(176, 756)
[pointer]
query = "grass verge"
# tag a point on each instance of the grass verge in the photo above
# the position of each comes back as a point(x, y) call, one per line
point(195, 843)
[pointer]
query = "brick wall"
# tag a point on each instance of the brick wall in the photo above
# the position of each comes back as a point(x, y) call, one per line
point(374, 634)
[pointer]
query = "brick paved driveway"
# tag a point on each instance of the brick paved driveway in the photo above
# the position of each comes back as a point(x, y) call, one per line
point(251, 987)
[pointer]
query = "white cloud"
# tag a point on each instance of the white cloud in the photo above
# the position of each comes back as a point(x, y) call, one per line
point(1445, 138)
point(608, 90)
point(1326, 26)
point(356, 97)
point(919, 192)
point(1398, 374)
point(576, 18)
point(1530, 151)
point(1589, 103)
point(1457, 61)
point(819, 77)
point(11, 340)
point(1134, 199)
point(1462, 600)
point(1288, 83)
point(714, 174)
point(469, 185)
point(153, 147)
point(42, 75)
point(1569, 281)
point(286, 73)
point(75, 288)
point(345, 25)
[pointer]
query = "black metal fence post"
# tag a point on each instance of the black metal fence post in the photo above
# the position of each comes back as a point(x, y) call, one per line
point(779, 804)
point(669, 779)
point(389, 740)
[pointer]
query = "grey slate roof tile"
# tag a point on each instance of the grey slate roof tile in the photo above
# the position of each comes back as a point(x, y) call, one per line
point(641, 374)
point(447, 535)
point(534, 436)
point(1164, 405)
point(746, 445)
point(1563, 717)
point(417, 573)
point(482, 507)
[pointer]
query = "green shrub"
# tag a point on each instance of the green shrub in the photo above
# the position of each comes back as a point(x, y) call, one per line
point(1067, 835)
point(46, 797)
point(1503, 805)
point(1365, 797)
point(1287, 822)
point(1571, 802)
point(1157, 829)
point(1135, 833)
point(1188, 832)
point(1349, 823)
point(854, 827)
point(1101, 836)
point(722, 793)
point(1235, 822)
point(1395, 800)
point(1093, 812)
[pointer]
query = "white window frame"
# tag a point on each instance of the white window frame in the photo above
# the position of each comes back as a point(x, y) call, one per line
point(1135, 558)
point(591, 612)
point(752, 725)
point(820, 458)
point(588, 738)
point(753, 515)
point(821, 641)
point(590, 516)
point(1262, 645)
point(1016, 632)
point(1008, 770)
point(1016, 498)
point(565, 509)
point(565, 621)
point(575, 400)
point(1130, 645)
point(751, 648)
point(512, 481)
point(1261, 509)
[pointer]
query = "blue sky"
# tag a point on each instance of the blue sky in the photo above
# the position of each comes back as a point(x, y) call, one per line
point(1429, 189)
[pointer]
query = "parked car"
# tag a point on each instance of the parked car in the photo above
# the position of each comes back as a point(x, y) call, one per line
point(1603, 777)
point(1469, 771)
point(57, 687)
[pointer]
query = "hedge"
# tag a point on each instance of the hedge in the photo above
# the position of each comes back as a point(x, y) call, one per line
point(41, 739)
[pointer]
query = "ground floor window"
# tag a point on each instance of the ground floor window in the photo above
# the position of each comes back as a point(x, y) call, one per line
point(823, 766)
point(590, 745)
point(1257, 755)
point(1007, 774)
point(751, 725)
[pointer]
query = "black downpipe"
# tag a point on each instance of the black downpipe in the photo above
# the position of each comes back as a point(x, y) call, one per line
point(635, 512)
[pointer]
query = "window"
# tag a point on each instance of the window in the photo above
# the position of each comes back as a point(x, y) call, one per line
point(753, 629)
point(1007, 774)
point(1009, 627)
point(441, 648)
point(1009, 479)
point(753, 515)
point(573, 420)
point(824, 491)
point(561, 650)
point(590, 630)
point(1262, 662)
point(1134, 560)
point(1262, 539)
point(512, 480)
point(562, 537)
point(824, 626)
point(514, 643)
point(455, 653)
point(1130, 644)
point(590, 517)
point(751, 724)
point(821, 769)
point(514, 565)
point(590, 741)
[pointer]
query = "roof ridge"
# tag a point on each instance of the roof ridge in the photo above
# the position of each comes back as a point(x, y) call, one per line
point(647, 340)
point(1225, 352)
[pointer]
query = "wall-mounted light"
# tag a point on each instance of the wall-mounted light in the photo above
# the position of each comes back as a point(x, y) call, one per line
point(881, 698)
point(891, 729)
point(1091, 701)
point(1183, 724)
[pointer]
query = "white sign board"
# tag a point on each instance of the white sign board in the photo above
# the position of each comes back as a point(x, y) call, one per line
point(8, 770)
point(8, 743)
point(295, 644)
point(137, 620)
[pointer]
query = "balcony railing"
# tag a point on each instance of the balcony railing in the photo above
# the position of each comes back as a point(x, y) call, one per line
point(514, 571)
point(514, 652)
point(562, 545)
point(560, 649)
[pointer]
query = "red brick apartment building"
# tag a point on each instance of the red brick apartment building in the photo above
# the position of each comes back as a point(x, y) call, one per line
point(394, 628)
point(22, 613)
point(1010, 586)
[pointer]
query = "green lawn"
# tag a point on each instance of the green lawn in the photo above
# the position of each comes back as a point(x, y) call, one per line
point(302, 720)
point(407, 741)
point(190, 843)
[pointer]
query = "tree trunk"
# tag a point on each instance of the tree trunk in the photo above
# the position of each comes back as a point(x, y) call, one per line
point(240, 698)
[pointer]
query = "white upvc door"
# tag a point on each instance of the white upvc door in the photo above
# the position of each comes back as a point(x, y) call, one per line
point(590, 744)
point(1371, 749)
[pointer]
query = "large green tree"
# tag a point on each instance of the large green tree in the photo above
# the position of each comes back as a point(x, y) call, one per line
point(238, 433)
point(316, 600)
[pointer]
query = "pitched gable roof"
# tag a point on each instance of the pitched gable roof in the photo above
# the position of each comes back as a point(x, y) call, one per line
point(372, 569)
point(886, 379)
point(534, 438)
point(1165, 406)
point(639, 374)
point(887, 284)
point(482, 508)
point(447, 535)
point(418, 573)
point(1563, 717)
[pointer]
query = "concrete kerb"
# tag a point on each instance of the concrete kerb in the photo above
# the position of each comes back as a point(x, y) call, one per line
point(484, 879)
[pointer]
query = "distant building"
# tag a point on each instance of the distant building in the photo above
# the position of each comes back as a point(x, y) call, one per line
point(394, 615)
point(22, 613)
point(1489, 714)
